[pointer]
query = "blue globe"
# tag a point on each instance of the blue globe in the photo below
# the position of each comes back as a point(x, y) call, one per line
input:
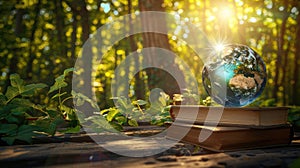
point(235, 75)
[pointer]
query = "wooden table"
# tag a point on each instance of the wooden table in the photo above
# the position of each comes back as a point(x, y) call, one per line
point(81, 151)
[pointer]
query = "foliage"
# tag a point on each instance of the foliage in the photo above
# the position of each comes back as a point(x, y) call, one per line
point(294, 117)
point(61, 98)
point(40, 39)
point(49, 35)
point(261, 102)
point(127, 113)
point(295, 163)
point(17, 110)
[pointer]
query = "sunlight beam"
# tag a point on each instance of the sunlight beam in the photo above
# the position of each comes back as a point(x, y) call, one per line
point(219, 47)
point(226, 12)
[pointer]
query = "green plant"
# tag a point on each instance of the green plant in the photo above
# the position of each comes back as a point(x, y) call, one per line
point(16, 107)
point(57, 109)
point(189, 97)
point(60, 98)
point(131, 113)
point(262, 102)
point(124, 113)
point(21, 118)
point(294, 117)
point(159, 110)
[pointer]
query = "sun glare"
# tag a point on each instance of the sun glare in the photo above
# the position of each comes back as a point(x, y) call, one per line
point(219, 47)
point(226, 12)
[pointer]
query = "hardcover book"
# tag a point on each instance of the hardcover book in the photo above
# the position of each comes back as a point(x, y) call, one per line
point(248, 116)
point(232, 138)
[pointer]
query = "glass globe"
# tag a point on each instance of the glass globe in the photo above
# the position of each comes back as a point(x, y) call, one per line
point(234, 76)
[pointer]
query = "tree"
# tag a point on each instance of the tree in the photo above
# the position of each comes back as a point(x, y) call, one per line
point(295, 82)
point(158, 78)
point(42, 38)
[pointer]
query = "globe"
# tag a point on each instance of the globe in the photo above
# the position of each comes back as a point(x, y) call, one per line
point(234, 76)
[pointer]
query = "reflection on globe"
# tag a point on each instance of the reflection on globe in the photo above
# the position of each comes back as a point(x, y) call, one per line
point(235, 76)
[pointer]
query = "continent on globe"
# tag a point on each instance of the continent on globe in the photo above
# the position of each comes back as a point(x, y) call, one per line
point(234, 76)
point(241, 82)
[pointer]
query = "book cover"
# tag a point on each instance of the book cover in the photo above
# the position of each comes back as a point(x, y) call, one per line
point(246, 116)
point(232, 138)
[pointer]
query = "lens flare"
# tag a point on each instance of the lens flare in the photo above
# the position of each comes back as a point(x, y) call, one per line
point(219, 47)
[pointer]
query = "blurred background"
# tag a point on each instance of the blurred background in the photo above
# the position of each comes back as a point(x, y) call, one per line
point(40, 39)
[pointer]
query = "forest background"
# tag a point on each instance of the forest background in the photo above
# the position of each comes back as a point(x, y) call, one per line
point(40, 39)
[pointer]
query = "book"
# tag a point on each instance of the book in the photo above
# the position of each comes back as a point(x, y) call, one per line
point(232, 116)
point(224, 139)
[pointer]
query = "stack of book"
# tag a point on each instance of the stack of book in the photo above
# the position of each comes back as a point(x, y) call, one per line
point(230, 128)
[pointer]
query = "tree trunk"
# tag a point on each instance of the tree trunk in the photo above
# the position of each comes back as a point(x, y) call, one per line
point(280, 53)
point(295, 83)
point(86, 88)
point(13, 62)
point(73, 36)
point(29, 70)
point(59, 20)
point(157, 77)
point(139, 87)
point(285, 77)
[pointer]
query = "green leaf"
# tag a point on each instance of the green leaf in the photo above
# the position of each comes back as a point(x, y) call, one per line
point(26, 103)
point(9, 140)
point(5, 111)
point(116, 126)
point(141, 102)
point(49, 125)
point(102, 112)
point(30, 89)
point(110, 116)
point(72, 130)
point(57, 85)
point(53, 113)
point(18, 88)
point(53, 125)
point(79, 102)
point(66, 110)
point(60, 81)
point(11, 93)
point(133, 123)
point(66, 71)
point(98, 120)
point(9, 129)
point(123, 104)
point(121, 119)
point(16, 81)
point(163, 99)
point(80, 116)
point(2, 99)
point(58, 95)
point(43, 122)
point(17, 113)
point(15, 118)
point(22, 102)
point(82, 97)
point(98, 129)
point(25, 132)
